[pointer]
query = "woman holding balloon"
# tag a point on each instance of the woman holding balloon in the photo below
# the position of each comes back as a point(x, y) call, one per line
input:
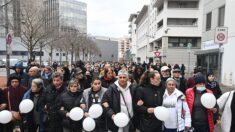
point(201, 114)
point(174, 100)
point(12, 97)
point(151, 95)
point(93, 96)
point(68, 100)
point(34, 120)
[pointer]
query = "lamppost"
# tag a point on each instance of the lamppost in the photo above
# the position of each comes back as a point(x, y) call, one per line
point(189, 51)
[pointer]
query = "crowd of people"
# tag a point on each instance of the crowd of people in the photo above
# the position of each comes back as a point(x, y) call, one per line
point(134, 89)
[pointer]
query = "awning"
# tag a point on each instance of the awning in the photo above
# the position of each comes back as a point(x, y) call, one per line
point(201, 52)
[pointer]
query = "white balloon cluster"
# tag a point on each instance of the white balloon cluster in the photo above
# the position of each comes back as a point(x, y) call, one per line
point(25, 106)
point(94, 112)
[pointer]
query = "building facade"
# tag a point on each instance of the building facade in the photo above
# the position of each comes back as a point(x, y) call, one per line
point(142, 39)
point(133, 35)
point(124, 54)
point(218, 13)
point(63, 15)
point(66, 15)
point(173, 29)
point(108, 48)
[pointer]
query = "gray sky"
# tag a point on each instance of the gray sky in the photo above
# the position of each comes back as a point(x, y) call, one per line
point(110, 17)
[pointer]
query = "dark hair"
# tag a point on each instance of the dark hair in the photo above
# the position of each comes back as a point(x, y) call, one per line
point(145, 78)
point(96, 78)
point(208, 74)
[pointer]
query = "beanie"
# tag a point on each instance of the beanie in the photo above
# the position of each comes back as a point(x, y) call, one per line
point(199, 79)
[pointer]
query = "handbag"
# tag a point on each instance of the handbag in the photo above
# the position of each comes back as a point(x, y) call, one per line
point(131, 125)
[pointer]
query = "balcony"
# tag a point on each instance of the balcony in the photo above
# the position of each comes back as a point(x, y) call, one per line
point(157, 3)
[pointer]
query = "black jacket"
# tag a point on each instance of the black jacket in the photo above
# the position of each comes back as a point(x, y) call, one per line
point(215, 88)
point(152, 96)
point(112, 97)
point(51, 102)
point(182, 84)
point(107, 83)
point(68, 101)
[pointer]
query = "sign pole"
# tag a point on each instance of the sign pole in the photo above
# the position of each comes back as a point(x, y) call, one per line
point(221, 37)
point(219, 63)
point(7, 41)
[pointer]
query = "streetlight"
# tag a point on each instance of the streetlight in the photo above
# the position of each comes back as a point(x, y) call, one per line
point(189, 50)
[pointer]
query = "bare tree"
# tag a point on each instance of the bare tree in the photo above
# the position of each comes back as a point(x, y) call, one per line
point(33, 33)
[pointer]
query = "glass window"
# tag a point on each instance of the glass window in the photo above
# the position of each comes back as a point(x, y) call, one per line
point(208, 21)
point(221, 16)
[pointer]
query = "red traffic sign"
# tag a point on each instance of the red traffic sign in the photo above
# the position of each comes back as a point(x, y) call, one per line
point(157, 53)
point(221, 35)
point(8, 38)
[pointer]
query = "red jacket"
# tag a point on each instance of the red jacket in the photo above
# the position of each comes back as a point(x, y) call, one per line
point(190, 96)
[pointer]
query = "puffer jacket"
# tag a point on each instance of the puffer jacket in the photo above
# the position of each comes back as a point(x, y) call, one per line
point(112, 97)
point(152, 96)
point(183, 112)
point(190, 96)
point(69, 100)
point(29, 117)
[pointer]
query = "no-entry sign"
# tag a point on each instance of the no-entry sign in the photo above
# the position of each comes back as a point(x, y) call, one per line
point(221, 35)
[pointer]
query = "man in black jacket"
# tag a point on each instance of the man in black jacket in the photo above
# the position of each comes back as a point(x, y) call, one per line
point(120, 98)
point(51, 103)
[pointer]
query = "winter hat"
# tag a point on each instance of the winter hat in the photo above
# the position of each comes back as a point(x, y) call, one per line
point(171, 79)
point(19, 65)
point(164, 68)
point(199, 79)
point(78, 70)
point(176, 68)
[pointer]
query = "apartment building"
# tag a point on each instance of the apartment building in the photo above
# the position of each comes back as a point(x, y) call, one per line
point(132, 32)
point(175, 28)
point(218, 13)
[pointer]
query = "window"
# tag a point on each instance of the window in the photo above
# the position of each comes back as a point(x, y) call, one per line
point(182, 41)
point(160, 24)
point(159, 9)
point(208, 21)
point(182, 21)
point(57, 54)
point(221, 16)
point(183, 4)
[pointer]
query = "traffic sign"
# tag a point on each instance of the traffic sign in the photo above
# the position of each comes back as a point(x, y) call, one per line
point(157, 53)
point(9, 39)
point(221, 35)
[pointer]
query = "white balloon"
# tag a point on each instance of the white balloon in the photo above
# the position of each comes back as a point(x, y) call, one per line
point(76, 114)
point(88, 124)
point(121, 119)
point(208, 100)
point(95, 111)
point(26, 106)
point(5, 116)
point(161, 113)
